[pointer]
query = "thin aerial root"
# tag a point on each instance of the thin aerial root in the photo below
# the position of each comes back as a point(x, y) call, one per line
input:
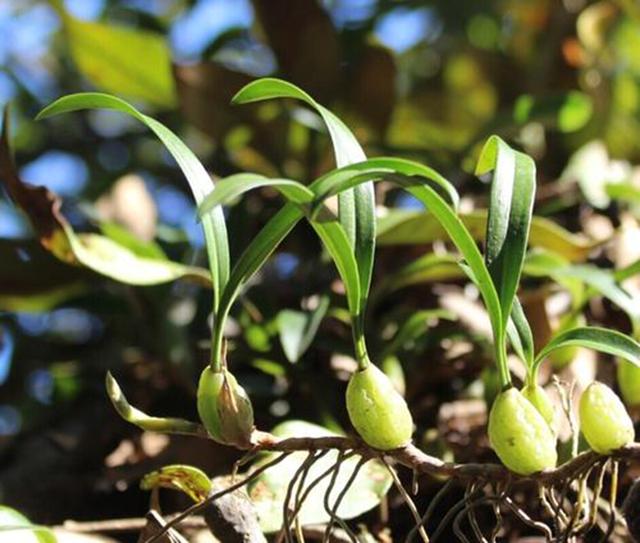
point(407, 499)
point(471, 515)
point(447, 519)
point(613, 496)
point(314, 483)
point(592, 516)
point(497, 511)
point(246, 458)
point(578, 507)
point(427, 515)
point(469, 509)
point(560, 518)
point(332, 511)
point(303, 479)
point(457, 529)
point(286, 520)
point(524, 517)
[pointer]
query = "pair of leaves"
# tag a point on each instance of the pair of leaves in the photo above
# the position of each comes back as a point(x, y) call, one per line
point(356, 205)
point(122, 262)
point(508, 225)
point(310, 200)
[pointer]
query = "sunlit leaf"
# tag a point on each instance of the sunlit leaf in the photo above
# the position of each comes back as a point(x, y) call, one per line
point(603, 282)
point(199, 180)
point(401, 227)
point(126, 61)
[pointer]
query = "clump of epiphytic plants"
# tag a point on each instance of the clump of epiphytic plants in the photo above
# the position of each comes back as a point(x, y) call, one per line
point(521, 422)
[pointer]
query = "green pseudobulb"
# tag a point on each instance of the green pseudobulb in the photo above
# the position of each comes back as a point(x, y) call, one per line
point(604, 421)
point(519, 434)
point(224, 408)
point(541, 401)
point(377, 411)
point(629, 382)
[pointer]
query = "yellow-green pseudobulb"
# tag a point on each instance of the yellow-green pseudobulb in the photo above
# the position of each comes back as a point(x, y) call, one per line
point(377, 411)
point(629, 382)
point(541, 401)
point(224, 408)
point(604, 421)
point(519, 434)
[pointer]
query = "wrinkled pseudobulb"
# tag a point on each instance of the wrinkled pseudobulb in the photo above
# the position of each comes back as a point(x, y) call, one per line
point(520, 435)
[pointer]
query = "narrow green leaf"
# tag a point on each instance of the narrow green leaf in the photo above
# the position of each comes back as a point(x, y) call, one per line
point(335, 240)
point(522, 339)
point(377, 168)
point(231, 187)
point(298, 328)
point(142, 420)
point(509, 220)
point(404, 172)
point(357, 206)
point(598, 339)
point(199, 180)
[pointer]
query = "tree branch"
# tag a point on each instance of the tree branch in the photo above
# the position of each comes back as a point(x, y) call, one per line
point(413, 458)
